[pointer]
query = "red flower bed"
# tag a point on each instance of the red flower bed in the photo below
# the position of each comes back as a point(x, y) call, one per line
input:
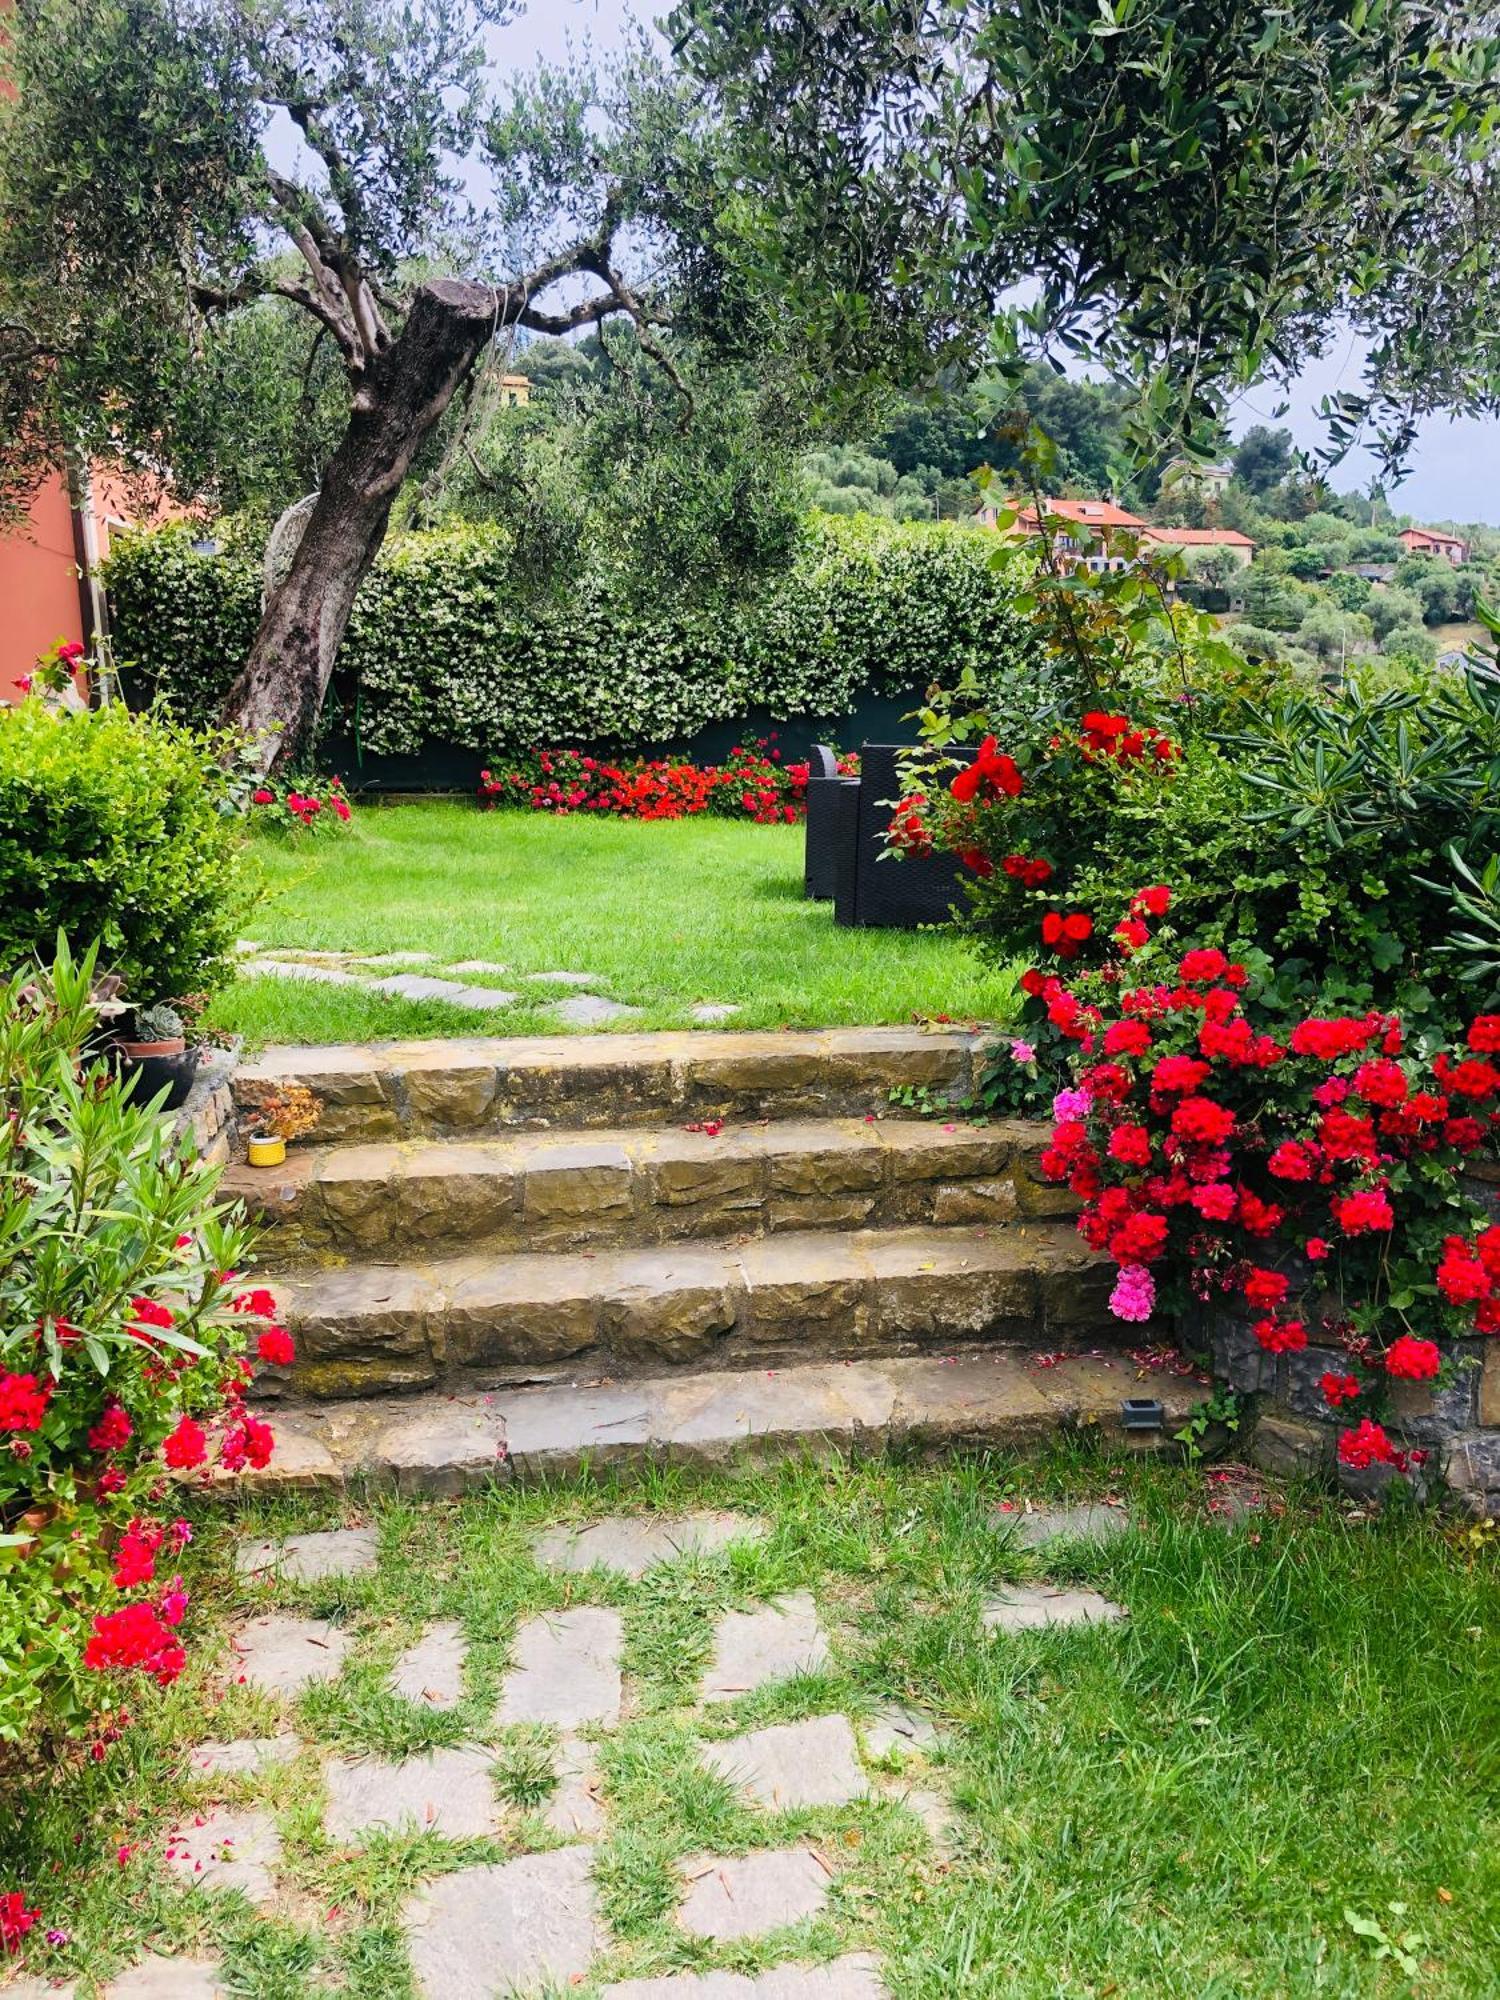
point(318, 806)
point(754, 782)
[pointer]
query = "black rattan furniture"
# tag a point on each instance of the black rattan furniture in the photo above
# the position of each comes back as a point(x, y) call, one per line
point(891, 893)
point(820, 864)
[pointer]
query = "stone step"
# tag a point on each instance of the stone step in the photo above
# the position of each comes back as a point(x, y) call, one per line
point(484, 1319)
point(566, 1190)
point(1001, 1398)
point(413, 1090)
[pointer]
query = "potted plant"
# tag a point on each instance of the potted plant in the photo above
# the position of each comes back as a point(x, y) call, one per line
point(158, 1055)
point(280, 1116)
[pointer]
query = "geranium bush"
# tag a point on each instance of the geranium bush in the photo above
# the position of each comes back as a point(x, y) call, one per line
point(753, 783)
point(126, 1342)
point(1306, 1174)
point(311, 805)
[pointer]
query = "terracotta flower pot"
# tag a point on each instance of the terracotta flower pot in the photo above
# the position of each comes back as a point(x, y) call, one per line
point(139, 1051)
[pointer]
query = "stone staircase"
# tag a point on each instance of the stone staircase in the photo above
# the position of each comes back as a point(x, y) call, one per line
point(658, 1245)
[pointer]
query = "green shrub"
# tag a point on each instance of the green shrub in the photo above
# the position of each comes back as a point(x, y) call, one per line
point(446, 646)
point(111, 829)
point(120, 1363)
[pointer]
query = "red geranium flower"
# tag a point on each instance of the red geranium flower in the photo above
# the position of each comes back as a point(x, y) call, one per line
point(113, 1431)
point(275, 1347)
point(1411, 1360)
point(1366, 1446)
point(187, 1446)
point(23, 1402)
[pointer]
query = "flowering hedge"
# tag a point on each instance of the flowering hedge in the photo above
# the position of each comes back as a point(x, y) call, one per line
point(447, 647)
point(124, 1353)
point(754, 783)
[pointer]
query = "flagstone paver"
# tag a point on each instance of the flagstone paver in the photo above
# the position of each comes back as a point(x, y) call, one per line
point(567, 1669)
point(898, 1731)
point(931, 1808)
point(590, 1010)
point(431, 1672)
point(310, 1558)
point(747, 1895)
point(284, 1654)
point(574, 1809)
point(565, 978)
point(244, 1756)
point(853, 1977)
point(771, 1643)
point(423, 986)
point(158, 1978)
point(1025, 1607)
point(709, 1011)
point(793, 1764)
point(507, 1929)
point(287, 968)
point(412, 958)
point(632, 1544)
point(1041, 1527)
point(446, 1791)
point(228, 1850)
point(486, 968)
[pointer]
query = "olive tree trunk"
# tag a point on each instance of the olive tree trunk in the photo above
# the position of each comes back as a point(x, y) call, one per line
point(401, 396)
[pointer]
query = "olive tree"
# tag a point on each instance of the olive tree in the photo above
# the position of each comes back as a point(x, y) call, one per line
point(165, 164)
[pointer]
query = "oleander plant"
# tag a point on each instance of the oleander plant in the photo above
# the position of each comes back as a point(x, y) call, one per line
point(126, 1343)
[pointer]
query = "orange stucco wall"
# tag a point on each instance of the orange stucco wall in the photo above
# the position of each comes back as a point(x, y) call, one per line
point(39, 600)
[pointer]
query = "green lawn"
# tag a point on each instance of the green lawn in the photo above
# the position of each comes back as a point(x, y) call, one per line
point(1297, 1722)
point(666, 914)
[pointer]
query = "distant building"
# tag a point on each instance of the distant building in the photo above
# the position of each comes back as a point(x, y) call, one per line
point(1186, 541)
point(515, 390)
point(1090, 534)
point(1209, 480)
point(1372, 572)
point(1433, 542)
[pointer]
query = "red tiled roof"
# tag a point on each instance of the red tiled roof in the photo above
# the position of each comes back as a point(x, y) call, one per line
point(1087, 513)
point(1200, 538)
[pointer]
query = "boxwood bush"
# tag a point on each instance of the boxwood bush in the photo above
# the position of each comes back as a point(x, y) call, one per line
point(111, 829)
point(446, 648)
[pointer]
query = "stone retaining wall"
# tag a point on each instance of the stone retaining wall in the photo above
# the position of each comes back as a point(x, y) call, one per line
point(209, 1113)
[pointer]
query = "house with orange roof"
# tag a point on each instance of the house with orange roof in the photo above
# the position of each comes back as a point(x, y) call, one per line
point(1434, 542)
point(1088, 530)
point(1191, 541)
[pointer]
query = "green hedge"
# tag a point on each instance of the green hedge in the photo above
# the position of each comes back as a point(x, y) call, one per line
point(111, 828)
point(443, 650)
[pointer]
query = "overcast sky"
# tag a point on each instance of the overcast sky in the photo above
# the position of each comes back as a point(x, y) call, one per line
point(1455, 469)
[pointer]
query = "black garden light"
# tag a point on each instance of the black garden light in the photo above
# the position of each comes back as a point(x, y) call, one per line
point(1142, 1413)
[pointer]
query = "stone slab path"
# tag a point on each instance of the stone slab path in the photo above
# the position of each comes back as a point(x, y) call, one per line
point(158, 1978)
point(243, 1757)
point(747, 1895)
point(576, 1810)
point(630, 1545)
point(535, 1924)
point(450, 1792)
point(457, 984)
point(282, 1654)
point(771, 1643)
point(506, 1929)
point(431, 1672)
point(899, 1732)
point(310, 1558)
point(567, 1669)
point(1026, 1607)
point(793, 1764)
point(227, 1850)
point(1044, 1527)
